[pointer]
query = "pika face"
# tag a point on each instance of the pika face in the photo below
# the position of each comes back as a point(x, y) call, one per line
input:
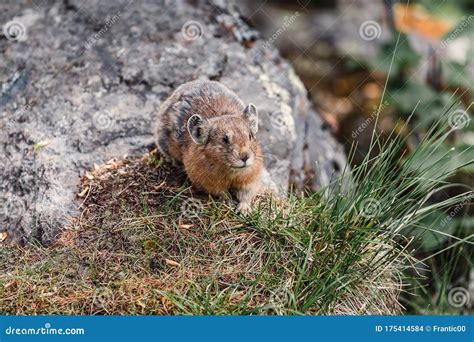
point(228, 139)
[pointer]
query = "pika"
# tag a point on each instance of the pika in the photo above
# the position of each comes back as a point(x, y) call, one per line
point(205, 126)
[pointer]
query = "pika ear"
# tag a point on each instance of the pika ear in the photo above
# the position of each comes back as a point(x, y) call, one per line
point(197, 129)
point(251, 113)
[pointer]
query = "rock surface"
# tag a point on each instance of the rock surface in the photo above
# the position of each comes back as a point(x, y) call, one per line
point(80, 81)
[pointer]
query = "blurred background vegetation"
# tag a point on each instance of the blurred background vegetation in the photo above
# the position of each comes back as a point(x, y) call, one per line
point(415, 59)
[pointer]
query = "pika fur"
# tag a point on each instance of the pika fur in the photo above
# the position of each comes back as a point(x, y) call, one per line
point(204, 125)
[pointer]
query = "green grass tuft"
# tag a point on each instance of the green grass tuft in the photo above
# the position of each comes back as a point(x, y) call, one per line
point(147, 243)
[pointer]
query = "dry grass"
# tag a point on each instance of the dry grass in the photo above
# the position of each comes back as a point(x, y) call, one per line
point(141, 246)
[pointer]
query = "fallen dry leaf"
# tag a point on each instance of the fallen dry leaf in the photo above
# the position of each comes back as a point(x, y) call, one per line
point(172, 263)
point(9, 284)
point(83, 192)
point(415, 18)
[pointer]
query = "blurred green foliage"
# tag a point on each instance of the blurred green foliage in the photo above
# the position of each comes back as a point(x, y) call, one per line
point(451, 262)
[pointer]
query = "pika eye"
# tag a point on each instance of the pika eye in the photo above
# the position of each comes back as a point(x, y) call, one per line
point(225, 139)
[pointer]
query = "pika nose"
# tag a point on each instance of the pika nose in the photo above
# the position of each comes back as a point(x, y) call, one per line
point(244, 157)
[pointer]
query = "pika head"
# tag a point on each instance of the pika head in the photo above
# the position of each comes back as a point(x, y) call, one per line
point(229, 139)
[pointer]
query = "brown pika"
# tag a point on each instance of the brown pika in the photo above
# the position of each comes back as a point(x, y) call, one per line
point(204, 125)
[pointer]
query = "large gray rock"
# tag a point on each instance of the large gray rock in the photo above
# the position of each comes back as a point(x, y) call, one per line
point(81, 81)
